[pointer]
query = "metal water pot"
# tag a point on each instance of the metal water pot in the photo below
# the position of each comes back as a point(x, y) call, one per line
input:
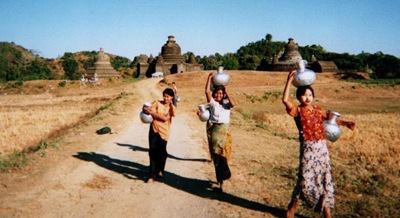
point(332, 129)
point(304, 76)
point(144, 117)
point(204, 113)
point(221, 78)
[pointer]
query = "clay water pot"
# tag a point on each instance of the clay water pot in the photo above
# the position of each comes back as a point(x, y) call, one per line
point(221, 78)
point(332, 129)
point(204, 113)
point(144, 117)
point(304, 76)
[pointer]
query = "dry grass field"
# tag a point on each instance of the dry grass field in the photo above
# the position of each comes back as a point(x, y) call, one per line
point(365, 162)
point(39, 110)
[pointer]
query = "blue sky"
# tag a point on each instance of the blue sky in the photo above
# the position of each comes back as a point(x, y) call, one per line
point(132, 27)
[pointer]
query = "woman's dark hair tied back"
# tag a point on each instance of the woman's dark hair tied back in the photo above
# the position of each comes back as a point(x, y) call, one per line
point(302, 89)
point(169, 92)
point(217, 88)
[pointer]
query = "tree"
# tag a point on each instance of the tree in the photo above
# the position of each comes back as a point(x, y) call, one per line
point(11, 61)
point(269, 52)
point(209, 63)
point(71, 69)
point(308, 51)
point(230, 61)
point(249, 62)
point(384, 66)
point(120, 62)
point(268, 37)
point(13, 73)
point(187, 56)
point(219, 60)
point(68, 55)
point(37, 70)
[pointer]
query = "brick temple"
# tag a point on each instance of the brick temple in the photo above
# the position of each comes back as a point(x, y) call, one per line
point(169, 61)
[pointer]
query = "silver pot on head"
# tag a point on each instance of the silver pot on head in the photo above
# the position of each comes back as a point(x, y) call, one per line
point(221, 78)
point(304, 76)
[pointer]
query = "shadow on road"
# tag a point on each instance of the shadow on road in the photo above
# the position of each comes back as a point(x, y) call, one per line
point(138, 148)
point(126, 168)
point(201, 188)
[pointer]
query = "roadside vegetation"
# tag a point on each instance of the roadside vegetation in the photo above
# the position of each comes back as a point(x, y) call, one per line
point(389, 82)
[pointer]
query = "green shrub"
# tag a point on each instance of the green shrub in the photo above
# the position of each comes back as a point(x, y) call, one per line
point(274, 94)
point(106, 106)
point(252, 98)
point(260, 124)
point(15, 160)
point(20, 159)
point(62, 83)
point(19, 83)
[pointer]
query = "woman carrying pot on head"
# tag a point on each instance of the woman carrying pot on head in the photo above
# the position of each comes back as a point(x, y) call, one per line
point(162, 112)
point(218, 134)
point(314, 182)
point(175, 100)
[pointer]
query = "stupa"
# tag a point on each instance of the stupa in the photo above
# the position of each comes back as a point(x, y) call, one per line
point(102, 66)
point(286, 61)
point(291, 53)
point(169, 61)
point(171, 52)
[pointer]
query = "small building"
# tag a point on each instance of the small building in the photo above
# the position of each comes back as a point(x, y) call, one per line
point(324, 66)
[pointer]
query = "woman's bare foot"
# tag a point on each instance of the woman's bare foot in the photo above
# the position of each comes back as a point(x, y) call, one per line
point(291, 209)
point(327, 212)
point(290, 214)
point(150, 180)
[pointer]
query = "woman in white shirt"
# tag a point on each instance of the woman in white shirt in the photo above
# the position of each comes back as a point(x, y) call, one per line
point(218, 134)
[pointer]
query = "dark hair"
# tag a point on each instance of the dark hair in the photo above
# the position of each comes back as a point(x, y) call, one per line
point(302, 89)
point(169, 92)
point(217, 88)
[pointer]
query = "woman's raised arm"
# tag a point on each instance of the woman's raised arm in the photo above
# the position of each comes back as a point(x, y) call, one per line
point(207, 88)
point(286, 91)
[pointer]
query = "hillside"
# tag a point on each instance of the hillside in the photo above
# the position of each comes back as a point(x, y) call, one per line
point(18, 63)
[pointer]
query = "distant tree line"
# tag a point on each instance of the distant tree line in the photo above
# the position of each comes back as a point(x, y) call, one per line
point(250, 56)
point(14, 64)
